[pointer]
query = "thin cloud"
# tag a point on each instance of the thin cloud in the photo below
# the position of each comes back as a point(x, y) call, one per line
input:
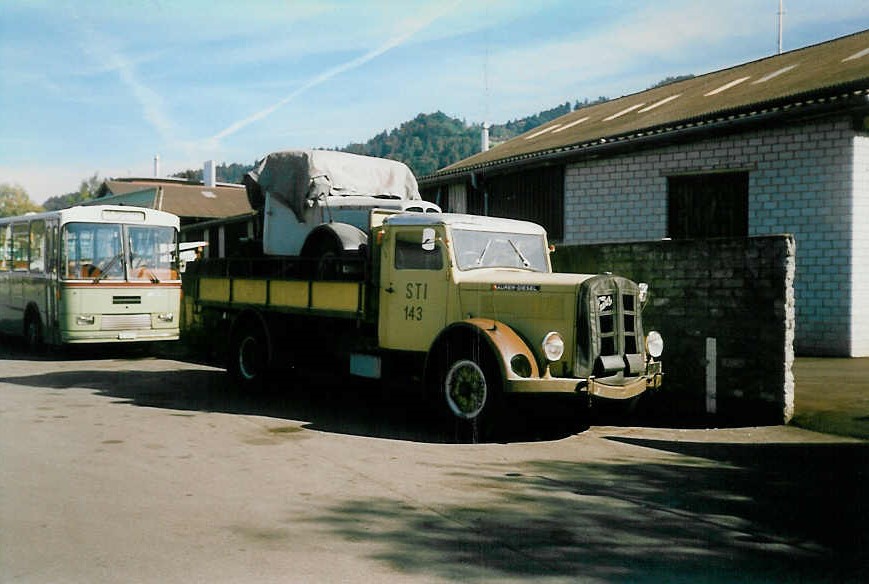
point(151, 102)
point(411, 30)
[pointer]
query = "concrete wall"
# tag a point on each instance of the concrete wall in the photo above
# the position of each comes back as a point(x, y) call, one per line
point(807, 179)
point(739, 292)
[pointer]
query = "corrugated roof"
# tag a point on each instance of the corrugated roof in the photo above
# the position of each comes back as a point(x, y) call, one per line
point(836, 68)
point(181, 198)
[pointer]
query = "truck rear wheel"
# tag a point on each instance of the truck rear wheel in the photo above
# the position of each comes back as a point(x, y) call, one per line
point(248, 360)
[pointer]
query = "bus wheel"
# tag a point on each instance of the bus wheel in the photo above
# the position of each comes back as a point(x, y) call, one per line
point(33, 332)
point(471, 393)
point(249, 356)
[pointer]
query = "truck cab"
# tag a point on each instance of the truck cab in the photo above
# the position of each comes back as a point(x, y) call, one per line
point(478, 296)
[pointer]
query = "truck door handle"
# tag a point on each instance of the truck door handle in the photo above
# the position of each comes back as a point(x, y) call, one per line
point(390, 290)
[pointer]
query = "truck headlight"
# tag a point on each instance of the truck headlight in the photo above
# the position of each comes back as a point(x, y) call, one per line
point(654, 344)
point(553, 346)
point(166, 317)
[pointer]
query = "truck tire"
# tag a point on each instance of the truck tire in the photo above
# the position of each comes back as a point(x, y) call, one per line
point(329, 246)
point(470, 393)
point(248, 358)
point(33, 339)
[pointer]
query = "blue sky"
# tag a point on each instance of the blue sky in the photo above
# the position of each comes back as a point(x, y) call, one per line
point(104, 85)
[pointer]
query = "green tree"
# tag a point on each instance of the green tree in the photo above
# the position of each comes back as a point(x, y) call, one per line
point(14, 200)
point(87, 190)
point(89, 187)
point(58, 202)
point(672, 79)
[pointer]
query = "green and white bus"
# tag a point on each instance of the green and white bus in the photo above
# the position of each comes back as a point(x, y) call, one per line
point(90, 274)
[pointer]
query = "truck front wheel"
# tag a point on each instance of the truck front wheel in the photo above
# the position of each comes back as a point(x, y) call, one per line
point(470, 394)
point(249, 356)
point(465, 389)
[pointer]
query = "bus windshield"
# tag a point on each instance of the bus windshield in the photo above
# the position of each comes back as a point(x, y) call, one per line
point(96, 251)
point(93, 250)
point(489, 249)
point(152, 253)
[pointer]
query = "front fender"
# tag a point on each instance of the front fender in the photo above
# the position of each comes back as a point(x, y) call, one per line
point(504, 342)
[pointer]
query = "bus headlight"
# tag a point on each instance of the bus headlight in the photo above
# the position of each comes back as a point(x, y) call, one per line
point(166, 317)
point(654, 344)
point(553, 346)
point(85, 319)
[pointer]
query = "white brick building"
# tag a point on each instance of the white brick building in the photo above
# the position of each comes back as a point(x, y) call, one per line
point(779, 145)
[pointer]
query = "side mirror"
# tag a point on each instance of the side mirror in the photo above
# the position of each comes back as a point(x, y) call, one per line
point(644, 292)
point(428, 239)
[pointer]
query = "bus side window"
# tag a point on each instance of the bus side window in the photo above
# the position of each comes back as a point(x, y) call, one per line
point(51, 248)
point(5, 241)
point(37, 246)
point(20, 247)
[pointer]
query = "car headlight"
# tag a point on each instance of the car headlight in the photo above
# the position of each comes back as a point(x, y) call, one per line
point(553, 346)
point(654, 344)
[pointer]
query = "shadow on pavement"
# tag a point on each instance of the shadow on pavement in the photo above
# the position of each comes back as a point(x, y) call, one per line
point(731, 513)
point(343, 406)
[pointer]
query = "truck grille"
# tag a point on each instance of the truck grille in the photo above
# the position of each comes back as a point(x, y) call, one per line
point(609, 326)
point(126, 322)
point(617, 323)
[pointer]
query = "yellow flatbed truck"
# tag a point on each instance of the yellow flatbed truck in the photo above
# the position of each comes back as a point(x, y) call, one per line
point(466, 307)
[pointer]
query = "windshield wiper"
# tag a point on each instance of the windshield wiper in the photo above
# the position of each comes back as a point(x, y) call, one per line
point(104, 271)
point(152, 276)
point(483, 253)
point(525, 261)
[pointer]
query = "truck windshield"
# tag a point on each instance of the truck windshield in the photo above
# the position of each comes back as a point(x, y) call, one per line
point(489, 249)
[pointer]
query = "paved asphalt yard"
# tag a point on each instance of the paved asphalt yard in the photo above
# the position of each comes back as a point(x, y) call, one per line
point(123, 468)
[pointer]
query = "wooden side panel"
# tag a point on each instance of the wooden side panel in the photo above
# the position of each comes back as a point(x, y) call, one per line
point(340, 296)
point(214, 289)
point(250, 291)
point(289, 294)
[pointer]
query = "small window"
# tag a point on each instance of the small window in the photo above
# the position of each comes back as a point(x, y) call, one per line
point(5, 251)
point(413, 251)
point(20, 247)
point(707, 205)
point(37, 246)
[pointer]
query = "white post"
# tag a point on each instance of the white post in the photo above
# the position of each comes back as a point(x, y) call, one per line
point(711, 375)
point(781, 16)
point(209, 174)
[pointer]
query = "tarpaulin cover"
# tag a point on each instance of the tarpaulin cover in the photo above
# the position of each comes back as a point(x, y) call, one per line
point(300, 177)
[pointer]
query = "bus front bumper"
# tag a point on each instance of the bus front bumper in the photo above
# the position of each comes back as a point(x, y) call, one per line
point(121, 336)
